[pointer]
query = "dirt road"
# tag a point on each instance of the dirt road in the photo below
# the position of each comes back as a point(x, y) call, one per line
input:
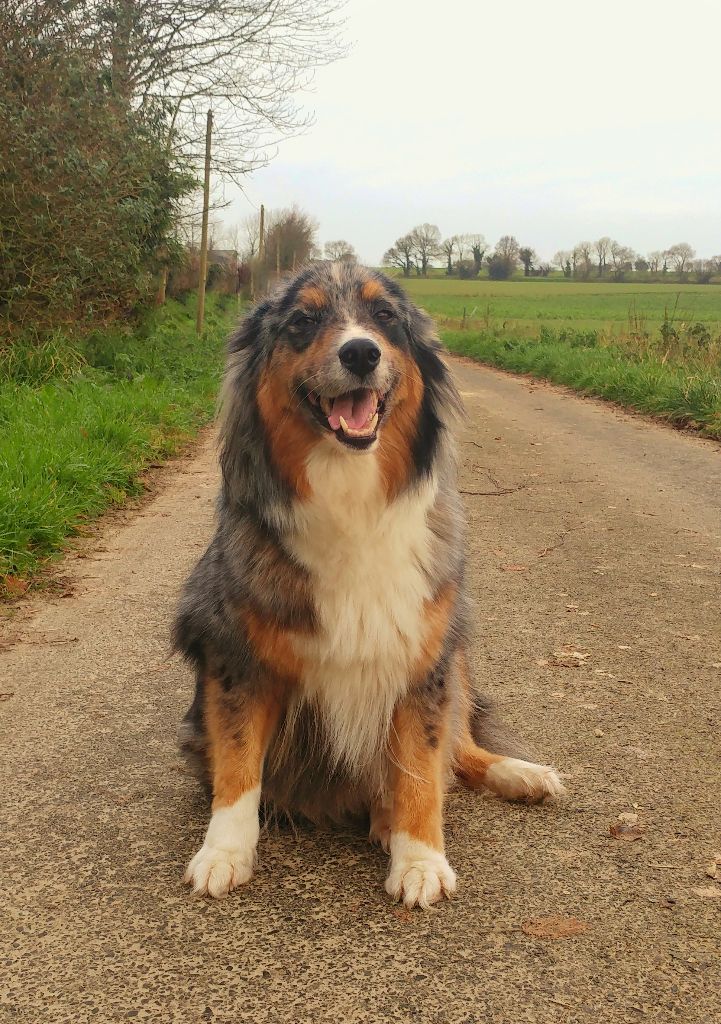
point(595, 539)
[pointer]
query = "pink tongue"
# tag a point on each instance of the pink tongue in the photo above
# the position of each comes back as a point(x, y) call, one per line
point(355, 410)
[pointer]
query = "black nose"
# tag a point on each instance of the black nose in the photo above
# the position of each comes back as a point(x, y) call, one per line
point(360, 356)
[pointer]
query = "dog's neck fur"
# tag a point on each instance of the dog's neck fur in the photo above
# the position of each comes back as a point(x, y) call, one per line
point(370, 565)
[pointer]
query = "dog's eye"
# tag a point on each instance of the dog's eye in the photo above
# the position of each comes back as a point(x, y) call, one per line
point(301, 322)
point(384, 315)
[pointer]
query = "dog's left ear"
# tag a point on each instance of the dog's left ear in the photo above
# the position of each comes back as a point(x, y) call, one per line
point(421, 330)
point(248, 333)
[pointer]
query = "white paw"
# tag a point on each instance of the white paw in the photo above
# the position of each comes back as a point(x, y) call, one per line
point(419, 875)
point(215, 872)
point(514, 779)
point(227, 856)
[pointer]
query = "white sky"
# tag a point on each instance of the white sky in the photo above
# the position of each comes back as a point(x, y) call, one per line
point(554, 121)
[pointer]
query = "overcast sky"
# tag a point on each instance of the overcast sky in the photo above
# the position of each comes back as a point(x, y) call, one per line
point(554, 121)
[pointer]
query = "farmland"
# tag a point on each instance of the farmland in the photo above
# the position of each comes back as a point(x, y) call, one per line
point(522, 306)
point(654, 348)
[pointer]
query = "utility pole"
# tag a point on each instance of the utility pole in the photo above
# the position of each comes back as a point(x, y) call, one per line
point(261, 234)
point(203, 272)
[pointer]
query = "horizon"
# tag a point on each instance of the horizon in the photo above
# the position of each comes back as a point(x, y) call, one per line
point(626, 155)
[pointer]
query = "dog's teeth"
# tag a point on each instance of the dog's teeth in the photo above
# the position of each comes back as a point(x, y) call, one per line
point(344, 426)
point(373, 424)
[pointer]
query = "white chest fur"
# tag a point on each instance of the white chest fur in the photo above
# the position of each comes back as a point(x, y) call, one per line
point(368, 562)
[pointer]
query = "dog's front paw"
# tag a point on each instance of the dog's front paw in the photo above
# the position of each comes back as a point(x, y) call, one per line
point(419, 875)
point(531, 783)
point(215, 872)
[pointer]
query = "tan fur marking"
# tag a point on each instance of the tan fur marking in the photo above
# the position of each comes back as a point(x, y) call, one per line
point(290, 437)
point(418, 776)
point(272, 645)
point(396, 436)
point(437, 613)
point(312, 295)
point(471, 761)
point(371, 289)
point(237, 740)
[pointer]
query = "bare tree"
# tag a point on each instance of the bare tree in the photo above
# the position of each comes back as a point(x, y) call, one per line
point(582, 259)
point(426, 245)
point(401, 254)
point(622, 258)
point(602, 248)
point(289, 239)
point(680, 256)
point(528, 258)
point(503, 262)
point(562, 260)
point(340, 250)
point(248, 59)
point(703, 270)
point(448, 247)
point(655, 261)
point(463, 244)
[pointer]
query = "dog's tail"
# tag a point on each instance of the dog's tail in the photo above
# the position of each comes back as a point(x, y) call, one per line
point(488, 754)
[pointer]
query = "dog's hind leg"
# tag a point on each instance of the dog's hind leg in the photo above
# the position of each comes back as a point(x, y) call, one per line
point(508, 771)
point(238, 727)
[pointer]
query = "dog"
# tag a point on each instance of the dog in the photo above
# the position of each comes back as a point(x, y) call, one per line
point(328, 620)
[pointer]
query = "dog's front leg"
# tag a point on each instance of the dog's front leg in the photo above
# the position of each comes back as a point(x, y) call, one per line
point(419, 872)
point(239, 726)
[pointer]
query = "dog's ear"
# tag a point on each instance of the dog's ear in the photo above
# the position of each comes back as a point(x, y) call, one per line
point(249, 331)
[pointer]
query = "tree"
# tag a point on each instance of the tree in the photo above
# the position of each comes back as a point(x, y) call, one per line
point(340, 251)
point(582, 260)
point(602, 248)
point(680, 256)
point(448, 247)
point(704, 270)
point(289, 239)
point(479, 247)
point(641, 265)
point(562, 260)
point(503, 262)
point(88, 189)
point(622, 258)
point(426, 240)
point(401, 254)
point(655, 259)
point(248, 59)
point(527, 257)
point(463, 244)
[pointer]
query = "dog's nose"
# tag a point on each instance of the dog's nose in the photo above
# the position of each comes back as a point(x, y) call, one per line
point(360, 356)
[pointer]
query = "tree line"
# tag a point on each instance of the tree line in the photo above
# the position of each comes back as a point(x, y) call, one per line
point(469, 255)
point(102, 113)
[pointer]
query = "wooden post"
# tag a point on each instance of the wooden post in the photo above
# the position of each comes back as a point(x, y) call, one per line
point(203, 273)
point(261, 234)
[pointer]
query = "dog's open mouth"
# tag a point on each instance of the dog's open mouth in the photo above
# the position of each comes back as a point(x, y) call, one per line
point(353, 417)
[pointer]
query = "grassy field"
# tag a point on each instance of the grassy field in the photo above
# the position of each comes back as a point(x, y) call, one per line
point(79, 422)
point(522, 306)
point(655, 348)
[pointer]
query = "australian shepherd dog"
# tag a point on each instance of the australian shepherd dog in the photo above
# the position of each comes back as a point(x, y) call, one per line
point(328, 620)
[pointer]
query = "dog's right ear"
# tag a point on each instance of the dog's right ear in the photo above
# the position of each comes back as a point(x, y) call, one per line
point(249, 331)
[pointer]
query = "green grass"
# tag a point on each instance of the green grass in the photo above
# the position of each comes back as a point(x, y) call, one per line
point(524, 305)
point(80, 421)
point(655, 347)
point(684, 394)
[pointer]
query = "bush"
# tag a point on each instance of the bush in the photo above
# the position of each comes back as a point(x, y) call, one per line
point(88, 189)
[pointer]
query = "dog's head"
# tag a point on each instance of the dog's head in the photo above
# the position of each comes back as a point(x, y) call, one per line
point(341, 357)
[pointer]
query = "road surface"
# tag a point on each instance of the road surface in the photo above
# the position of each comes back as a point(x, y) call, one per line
point(595, 557)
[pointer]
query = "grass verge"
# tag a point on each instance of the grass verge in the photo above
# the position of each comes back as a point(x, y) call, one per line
point(80, 420)
point(686, 394)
